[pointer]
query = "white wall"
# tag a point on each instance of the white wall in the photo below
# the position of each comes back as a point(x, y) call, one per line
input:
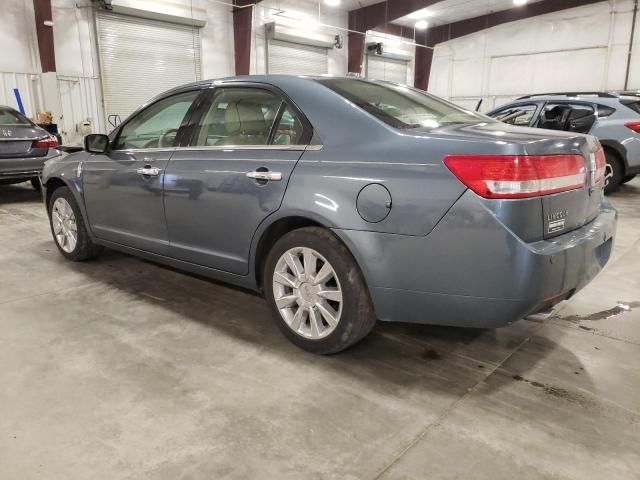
point(312, 15)
point(19, 61)
point(579, 49)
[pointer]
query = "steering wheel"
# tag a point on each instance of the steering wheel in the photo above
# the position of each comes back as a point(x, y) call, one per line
point(164, 135)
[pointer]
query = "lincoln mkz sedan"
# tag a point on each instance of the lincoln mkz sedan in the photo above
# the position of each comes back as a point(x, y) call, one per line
point(343, 201)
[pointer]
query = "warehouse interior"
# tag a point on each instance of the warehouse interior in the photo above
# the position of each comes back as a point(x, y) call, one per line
point(125, 368)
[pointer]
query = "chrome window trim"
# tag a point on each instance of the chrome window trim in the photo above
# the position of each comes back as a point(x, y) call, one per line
point(299, 148)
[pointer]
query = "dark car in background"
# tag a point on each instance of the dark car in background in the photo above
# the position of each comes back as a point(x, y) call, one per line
point(24, 147)
point(612, 117)
point(342, 200)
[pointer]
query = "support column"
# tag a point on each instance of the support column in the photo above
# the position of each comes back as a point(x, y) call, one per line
point(42, 10)
point(242, 25)
point(424, 59)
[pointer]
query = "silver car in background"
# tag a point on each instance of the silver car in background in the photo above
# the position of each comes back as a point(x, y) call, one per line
point(24, 147)
point(343, 201)
point(614, 118)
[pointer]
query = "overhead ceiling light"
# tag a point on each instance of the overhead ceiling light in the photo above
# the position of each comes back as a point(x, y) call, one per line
point(332, 3)
point(421, 25)
point(519, 3)
point(420, 14)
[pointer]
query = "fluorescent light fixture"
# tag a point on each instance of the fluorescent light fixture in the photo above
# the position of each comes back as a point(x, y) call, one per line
point(519, 3)
point(421, 25)
point(332, 3)
point(420, 14)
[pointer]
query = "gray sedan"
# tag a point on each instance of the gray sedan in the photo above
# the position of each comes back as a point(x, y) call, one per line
point(24, 147)
point(343, 201)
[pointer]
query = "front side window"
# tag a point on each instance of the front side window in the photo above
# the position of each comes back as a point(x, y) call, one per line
point(238, 116)
point(520, 115)
point(11, 118)
point(156, 126)
point(400, 106)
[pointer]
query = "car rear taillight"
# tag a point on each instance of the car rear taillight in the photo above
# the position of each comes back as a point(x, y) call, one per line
point(521, 176)
point(49, 141)
point(635, 126)
point(600, 167)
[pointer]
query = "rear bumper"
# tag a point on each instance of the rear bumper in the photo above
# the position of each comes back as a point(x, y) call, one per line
point(472, 271)
point(24, 167)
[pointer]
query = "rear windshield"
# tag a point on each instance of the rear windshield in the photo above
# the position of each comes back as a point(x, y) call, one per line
point(632, 104)
point(9, 117)
point(400, 106)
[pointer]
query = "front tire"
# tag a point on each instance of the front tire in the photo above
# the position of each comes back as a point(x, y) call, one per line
point(615, 169)
point(68, 228)
point(628, 178)
point(35, 183)
point(316, 291)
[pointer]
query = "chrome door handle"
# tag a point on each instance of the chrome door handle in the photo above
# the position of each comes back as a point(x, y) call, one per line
point(266, 176)
point(148, 171)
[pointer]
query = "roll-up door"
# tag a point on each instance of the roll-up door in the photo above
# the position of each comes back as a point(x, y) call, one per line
point(141, 58)
point(297, 59)
point(381, 68)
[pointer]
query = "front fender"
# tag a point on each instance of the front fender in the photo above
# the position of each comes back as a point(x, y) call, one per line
point(65, 169)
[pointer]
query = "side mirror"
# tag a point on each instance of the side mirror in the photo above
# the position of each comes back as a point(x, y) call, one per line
point(96, 143)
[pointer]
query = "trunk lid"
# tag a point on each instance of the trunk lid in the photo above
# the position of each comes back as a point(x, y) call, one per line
point(16, 141)
point(541, 217)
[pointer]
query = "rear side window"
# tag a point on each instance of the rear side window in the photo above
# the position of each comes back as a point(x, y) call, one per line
point(605, 111)
point(400, 106)
point(520, 115)
point(10, 118)
point(632, 104)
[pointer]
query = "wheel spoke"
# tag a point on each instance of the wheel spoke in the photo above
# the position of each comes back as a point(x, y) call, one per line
point(310, 263)
point(294, 264)
point(297, 320)
point(325, 273)
point(287, 301)
point(328, 313)
point(284, 279)
point(315, 323)
point(333, 294)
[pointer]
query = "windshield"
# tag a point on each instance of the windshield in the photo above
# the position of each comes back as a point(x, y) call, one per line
point(400, 106)
point(9, 118)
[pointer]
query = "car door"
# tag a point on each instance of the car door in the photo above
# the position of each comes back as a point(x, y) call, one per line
point(233, 173)
point(123, 188)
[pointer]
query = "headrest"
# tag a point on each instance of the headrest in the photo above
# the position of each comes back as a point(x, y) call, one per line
point(246, 118)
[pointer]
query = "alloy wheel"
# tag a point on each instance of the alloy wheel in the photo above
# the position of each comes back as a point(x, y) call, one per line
point(64, 225)
point(307, 292)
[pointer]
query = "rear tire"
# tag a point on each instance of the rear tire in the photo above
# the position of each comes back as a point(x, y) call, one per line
point(616, 168)
point(628, 178)
point(35, 183)
point(68, 227)
point(323, 305)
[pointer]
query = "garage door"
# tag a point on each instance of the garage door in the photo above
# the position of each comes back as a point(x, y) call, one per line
point(297, 59)
point(380, 68)
point(141, 58)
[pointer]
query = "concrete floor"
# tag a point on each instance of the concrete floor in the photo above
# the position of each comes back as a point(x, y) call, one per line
point(120, 368)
